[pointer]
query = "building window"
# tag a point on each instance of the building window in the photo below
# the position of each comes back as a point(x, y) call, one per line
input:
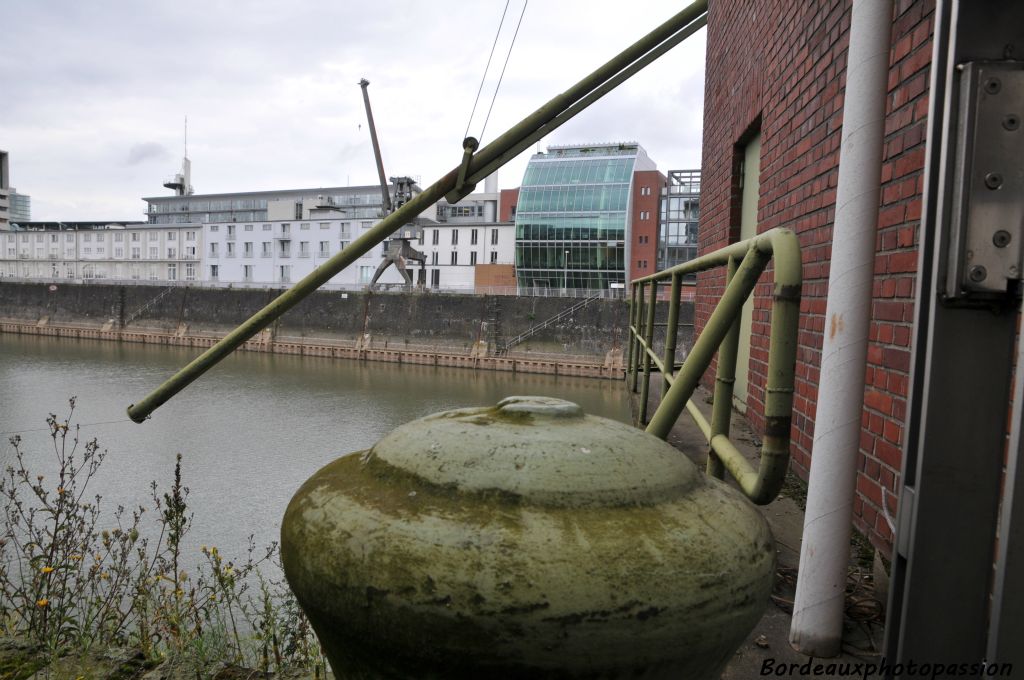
point(266, 249)
point(455, 257)
point(472, 237)
point(190, 271)
point(135, 237)
point(472, 257)
point(248, 227)
point(433, 258)
point(86, 237)
point(494, 257)
point(419, 239)
point(284, 273)
point(435, 239)
point(172, 272)
point(70, 238)
point(325, 248)
point(247, 272)
point(435, 278)
point(366, 225)
point(303, 248)
point(214, 272)
point(342, 245)
point(455, 237)
point(231, 249)
point(118, 238)
point(247, 249)
point(213, 249)
point(494, 237)
point(190, 236)
point(266, 227)
point(214, 228)
point(286, 229)
point(365, 274)
point(154, 252)
point(172, 253)
point(136, 255)
point(304, 226)
point(171, 235)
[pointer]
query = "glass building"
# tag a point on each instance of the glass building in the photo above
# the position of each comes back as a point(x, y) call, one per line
point(572, 219)
point(680, 212)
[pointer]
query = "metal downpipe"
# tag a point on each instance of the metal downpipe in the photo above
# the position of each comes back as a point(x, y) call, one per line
point(821, 587)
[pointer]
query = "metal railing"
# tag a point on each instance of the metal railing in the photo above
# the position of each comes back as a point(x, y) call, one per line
point(745, 262)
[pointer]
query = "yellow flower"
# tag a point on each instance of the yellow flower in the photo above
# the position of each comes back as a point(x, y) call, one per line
point(104, 575)
point(42, 602)
point(75, 558)
point(46, 570)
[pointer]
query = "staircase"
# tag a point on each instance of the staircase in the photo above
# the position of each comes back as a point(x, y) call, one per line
point(138, 312)
point(533, 330)
point(495, 338)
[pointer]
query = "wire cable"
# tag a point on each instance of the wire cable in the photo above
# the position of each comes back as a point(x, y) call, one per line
point(80, 425)
point(509, 54)
point(486, 69)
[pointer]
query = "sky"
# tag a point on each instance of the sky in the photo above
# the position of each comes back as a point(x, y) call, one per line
point(93, 95)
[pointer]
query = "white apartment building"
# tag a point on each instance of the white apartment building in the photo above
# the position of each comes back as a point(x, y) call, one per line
point(99, 250)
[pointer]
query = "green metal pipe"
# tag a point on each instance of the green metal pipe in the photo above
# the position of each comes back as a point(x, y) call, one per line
point(654, 357)
point(645, 392)
point(526, 132)
point(640, 307)
point(707, 343)
point(671, 327)
point(632, 332)
point(725, 378)
point(698, 417)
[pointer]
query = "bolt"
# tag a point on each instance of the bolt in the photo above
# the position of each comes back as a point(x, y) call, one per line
point(992, 85)
point(1011, 122)
point(978, 274)
point(1001, 238)
point(993, 180)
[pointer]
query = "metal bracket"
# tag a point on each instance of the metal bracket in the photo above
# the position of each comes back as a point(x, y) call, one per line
point(988, 183)
point(462, 188)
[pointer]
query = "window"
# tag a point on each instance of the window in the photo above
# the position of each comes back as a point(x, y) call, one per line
point(325, 248)
point(87, 251)
point(365, 274)
point(455, 237)
point(435, 277)
point(118, 238)
point(266, 227)
point(70, 238)
point(286, 229)
point(214, 272)
point(366, 225)
point(135, 237)
point(342, 245)
point(153, 236)
point(190, 236)
point(455, 257)
point(190, 271)
point(100, 238)
point(136, 255)
point(494, 237)
point(284, 273)
point(231, 249)
point(190, 252)
point(214, 228)
point(154, 252)
point(494, 257)
point(304, 226)
point(172, 272)
point(248, 227)
point(171, 235)
point(266, 249)
point(645, 191)
point(172, 253)
point(213, 249)
point(247, 249)
point(472, 257)
point(304, 249)
point(472, 237)
point(435, 239)
point(86, 237)
point(433, 258)
point(419, 239)
point(247, 272)
point(325, 225)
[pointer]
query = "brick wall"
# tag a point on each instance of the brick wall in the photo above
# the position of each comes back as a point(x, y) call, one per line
point(646, 196)
point(779, 68)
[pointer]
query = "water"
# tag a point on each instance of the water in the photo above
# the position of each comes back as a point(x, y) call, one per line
point(251, 430)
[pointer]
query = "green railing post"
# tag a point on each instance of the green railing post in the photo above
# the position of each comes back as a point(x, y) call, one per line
point(649, 340)
point(725, 378)
point(640, 309)
point(670, 333)
point(630, 323)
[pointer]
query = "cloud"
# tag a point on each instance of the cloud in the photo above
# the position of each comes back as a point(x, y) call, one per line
point(147, 151)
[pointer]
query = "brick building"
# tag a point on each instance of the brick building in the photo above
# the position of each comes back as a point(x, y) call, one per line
point(775, 84)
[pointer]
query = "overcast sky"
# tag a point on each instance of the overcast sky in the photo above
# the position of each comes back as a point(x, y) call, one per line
point(93, 95)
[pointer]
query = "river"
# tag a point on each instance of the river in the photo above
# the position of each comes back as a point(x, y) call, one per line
point(250, 431)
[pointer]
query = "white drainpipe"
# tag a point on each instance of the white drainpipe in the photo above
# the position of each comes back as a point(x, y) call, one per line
point(824, 556)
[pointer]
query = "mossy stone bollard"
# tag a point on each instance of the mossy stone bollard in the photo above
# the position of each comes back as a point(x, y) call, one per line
point(525, 540)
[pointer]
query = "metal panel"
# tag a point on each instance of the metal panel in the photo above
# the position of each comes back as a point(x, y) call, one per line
point(962, 359)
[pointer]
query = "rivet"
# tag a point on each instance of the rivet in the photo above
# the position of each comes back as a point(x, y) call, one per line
point(993, 180)
point(1001, 238)
point(1011, 122)
point(992, 85)
point(978, 274)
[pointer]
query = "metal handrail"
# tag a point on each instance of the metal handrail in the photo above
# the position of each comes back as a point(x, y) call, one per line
point(457, 184)
point(745, 262)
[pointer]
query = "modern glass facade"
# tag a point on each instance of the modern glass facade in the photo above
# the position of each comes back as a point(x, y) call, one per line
point(572, 218)
point(680, 212)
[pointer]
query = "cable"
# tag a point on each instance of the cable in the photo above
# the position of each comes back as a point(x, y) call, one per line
point(498, 87)
point(80, 425)
point(486, 69)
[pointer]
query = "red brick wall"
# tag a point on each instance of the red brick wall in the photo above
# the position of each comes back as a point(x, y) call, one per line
point(507, 201)
point(780, 67)
point(643, 258)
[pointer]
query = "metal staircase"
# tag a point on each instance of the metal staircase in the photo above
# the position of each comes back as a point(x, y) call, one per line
point(533, 330)
point(138, 312)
